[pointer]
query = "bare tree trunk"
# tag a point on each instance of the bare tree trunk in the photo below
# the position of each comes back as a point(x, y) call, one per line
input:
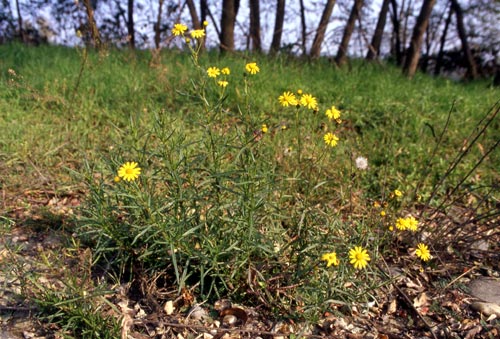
point(411, 60)
point(496, 78)
point(374, 48)
point(157, 25)
point(130, 24)
point(403, 15)
point(320, 32)
point(439, 59)
point(341, 57)
point(228, 21)
point(431, 34)
point(255, 25)
point(20, 22)
point(194, 15)
point(471, 64)
point(426, 48)
point(203, 10)
point(92, 24)
point(396, 46)
point(278, 26)
point(303, 25)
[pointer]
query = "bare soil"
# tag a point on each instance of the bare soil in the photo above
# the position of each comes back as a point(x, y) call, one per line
point(419, 303)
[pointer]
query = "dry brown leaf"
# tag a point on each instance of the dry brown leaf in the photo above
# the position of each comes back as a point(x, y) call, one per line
point(421, 303)
point(413, 285)
point(392, 307)
point(127, 320)
point(239, 315)
point(473, 332)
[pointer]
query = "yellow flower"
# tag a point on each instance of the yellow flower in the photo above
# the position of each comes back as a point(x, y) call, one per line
point(264, 128)
point(299, 91)
point(391, 228)
point(359, 257)
point(333, 113)
point(330, 139)
point(205, 23)
point(423, 252)
point(382, 213)
point(213, 72)
point(187, 40)
point(411, 224)
point(307, 100)
point(226, 71)
point(401, 224)
point(116, 179)
point(129, 171)
point(179, 29)
point(398, 193)
point(331, 259)
point(288, 99)
point(252, 68)
point(222, 83)
point(197, 33)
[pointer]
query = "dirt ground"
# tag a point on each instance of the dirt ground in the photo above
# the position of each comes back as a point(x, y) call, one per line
point(460, 300)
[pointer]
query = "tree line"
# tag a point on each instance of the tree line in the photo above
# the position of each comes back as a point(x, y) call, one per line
point(433, 35)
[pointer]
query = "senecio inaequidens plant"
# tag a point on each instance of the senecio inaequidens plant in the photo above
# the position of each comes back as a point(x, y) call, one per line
point(212, 205)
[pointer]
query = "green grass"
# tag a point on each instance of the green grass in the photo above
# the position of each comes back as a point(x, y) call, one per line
point(223, 207)
point(49, 116)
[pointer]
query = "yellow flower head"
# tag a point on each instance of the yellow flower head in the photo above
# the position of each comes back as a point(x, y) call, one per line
point(205, 23)
point(299, 91)
point(382, 213)
point(423, 252)
point(333, 113)
point(187, 40)
point(409, 223)
point(179, 29)
point(401, 224)
point(330, 139)
point(197, 33)
point(225, 71)
point(213, 72)
point(222, 83)
point(264, 128)
point(412, 224)
point(331, 259)
point(252, 68)
point(359, 257)
point(288, 99)
point(398, 193)
point(307, 100)
point(117, 179)
point(129, 171)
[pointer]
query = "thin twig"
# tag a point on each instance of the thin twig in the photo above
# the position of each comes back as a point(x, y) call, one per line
point(460, 276)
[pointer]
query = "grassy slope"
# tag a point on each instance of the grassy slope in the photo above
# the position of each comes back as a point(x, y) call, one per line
point(48, 121)
point(54, 114)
